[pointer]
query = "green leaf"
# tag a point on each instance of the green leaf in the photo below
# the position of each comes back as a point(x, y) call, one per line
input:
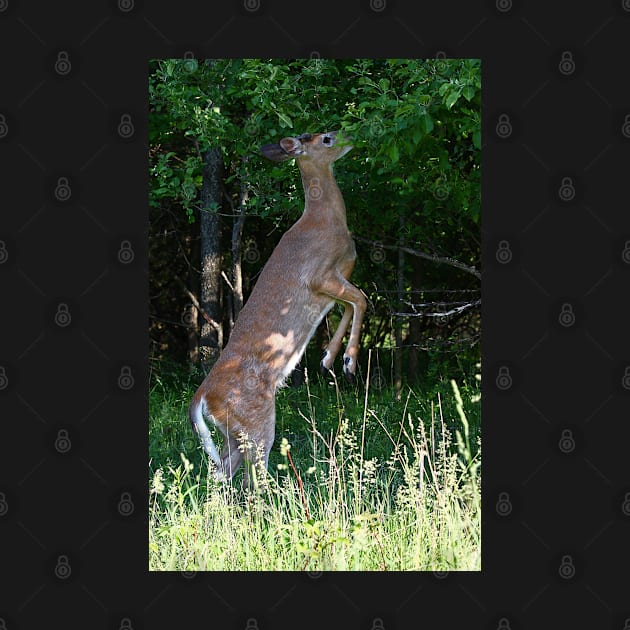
point(476, 138)
point(451, 99)
point(443, 162)
point(416, 136)
point(468, 92)
point(393, 153)
point(285, 121)
point(426, 123)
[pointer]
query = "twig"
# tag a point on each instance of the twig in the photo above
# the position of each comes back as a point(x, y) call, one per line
point(227, 281)
point(367, 391)
point(445, 314)
point(300, 485)
point(196, 304)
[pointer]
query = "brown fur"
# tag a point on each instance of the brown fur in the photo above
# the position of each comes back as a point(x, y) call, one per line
point(305, 274)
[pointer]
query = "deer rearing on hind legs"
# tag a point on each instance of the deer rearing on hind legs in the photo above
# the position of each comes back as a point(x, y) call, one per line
point(305, 275)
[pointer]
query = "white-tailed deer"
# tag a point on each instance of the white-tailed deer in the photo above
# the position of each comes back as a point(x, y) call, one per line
point(305, 275)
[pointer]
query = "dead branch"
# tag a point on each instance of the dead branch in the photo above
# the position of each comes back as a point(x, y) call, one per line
point(414, 252)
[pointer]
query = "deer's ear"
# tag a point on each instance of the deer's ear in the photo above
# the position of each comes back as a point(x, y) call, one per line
point(274, 152)
point(292, 146)
point(283, 150)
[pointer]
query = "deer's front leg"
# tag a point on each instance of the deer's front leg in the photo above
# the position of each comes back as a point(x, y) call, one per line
point(338, 288)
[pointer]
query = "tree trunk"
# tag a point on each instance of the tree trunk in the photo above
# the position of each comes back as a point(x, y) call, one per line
point(237, 245)
point(211, 340)
point(415, 322)
point(398, 323)
point(191, 317)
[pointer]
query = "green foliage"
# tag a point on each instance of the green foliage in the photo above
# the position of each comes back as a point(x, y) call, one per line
point(419, 123)
point(414, 172)
point(413, 123)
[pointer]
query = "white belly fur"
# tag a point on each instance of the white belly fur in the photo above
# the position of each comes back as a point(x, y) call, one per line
point(297, 355)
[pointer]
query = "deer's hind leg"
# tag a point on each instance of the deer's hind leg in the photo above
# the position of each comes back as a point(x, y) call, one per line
point(258, 446)
point(232, 457)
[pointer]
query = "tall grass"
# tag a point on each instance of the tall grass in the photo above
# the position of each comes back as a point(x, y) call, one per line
point(360, 481)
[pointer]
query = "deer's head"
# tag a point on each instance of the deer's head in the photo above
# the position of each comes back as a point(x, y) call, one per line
point(323, 148)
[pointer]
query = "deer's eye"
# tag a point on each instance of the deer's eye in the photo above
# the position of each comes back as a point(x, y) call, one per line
point(327, 140)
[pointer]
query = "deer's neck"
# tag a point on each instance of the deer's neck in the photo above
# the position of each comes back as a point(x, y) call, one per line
point(323, 199)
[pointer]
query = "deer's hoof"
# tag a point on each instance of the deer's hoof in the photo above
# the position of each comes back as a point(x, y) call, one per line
point(323, 368)
point(348, 363)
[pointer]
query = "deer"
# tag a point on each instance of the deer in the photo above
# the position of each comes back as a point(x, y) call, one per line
point(306, 274)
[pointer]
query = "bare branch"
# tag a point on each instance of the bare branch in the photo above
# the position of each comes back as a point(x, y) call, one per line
point(414, 252)
point(196, 304)
point(442, 315)
point(227, 281)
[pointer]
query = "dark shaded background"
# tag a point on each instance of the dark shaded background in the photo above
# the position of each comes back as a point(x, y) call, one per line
point(73, 355)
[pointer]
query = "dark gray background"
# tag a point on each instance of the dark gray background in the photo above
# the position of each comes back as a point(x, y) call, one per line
point(73, 456)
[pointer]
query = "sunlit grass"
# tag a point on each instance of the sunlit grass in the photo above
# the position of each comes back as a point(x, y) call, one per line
point(357, 481)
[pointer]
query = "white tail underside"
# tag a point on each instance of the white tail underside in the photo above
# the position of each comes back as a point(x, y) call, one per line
point(204, 433)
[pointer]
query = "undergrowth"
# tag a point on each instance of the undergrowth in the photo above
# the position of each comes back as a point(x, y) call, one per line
point(358, 480)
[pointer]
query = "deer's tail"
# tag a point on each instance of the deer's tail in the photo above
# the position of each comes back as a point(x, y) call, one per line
point(195, 413)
